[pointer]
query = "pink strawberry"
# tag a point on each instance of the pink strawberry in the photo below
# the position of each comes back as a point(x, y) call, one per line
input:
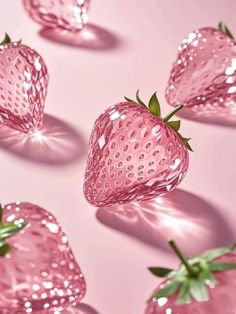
point(204, 284)
point(23, 86)
point(204, 74)
point(134, 154)
point(69, 15)
point(38, 270)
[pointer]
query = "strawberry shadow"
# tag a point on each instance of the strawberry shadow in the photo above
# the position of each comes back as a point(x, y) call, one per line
point(221, 115)
point(180, 215)
point(91, 37)
point(81, 308)
point(56, 143)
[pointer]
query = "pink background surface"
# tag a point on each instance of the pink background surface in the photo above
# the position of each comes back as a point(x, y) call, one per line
point(115, 247)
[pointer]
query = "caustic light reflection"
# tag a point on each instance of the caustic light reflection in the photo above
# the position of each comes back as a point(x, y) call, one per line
point(56, 142)
point(179, 215)
point(38, 137)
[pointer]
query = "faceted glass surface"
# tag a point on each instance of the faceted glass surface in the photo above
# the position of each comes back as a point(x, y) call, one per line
point(23, 87)
point(204, 73)
point(40, 273)
point(222, 297)
point(133, 155)
point(70, 15)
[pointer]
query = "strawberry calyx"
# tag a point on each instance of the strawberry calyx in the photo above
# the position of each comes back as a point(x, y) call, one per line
point(7, 231)
point(194, 276)
point(223, 27)
point(7, 40)
point(155, 108)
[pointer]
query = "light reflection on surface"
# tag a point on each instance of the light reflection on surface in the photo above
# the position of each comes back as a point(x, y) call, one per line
point(55, 143)
point(179, 215)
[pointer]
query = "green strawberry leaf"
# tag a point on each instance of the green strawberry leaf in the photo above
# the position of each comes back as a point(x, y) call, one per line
point(208, 277)
point(216, 253)
point(184, 293)
point(139, 99)
point(4, 248)
point(199, 290)
point(168, 290)
point(223, 27)
point(175, 125)
point(160, 271)
point(130, 100)
point(154, 105)
point(6, 40)
point(222, 266)
point(8, 231)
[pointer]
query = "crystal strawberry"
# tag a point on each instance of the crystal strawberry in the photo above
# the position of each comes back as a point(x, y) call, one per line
point(203, 284)
point(23, 86)
point(39, 272)
point(204, 74)
point(70, 15)
point(134, 154)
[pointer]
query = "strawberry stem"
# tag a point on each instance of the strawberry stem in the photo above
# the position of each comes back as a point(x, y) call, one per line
point(177, 251)
point(223, 27)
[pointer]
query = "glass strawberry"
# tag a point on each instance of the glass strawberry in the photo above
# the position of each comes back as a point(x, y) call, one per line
point(203, 284)
point(70, 15)
point(134, 154)
point(23, 86)
point(204, 74)
point(38, 270)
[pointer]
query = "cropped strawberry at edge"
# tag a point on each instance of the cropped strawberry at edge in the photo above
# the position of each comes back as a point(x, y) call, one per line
point(203, 284)
point(23, 86)
point(68, 15)
point(204, 73)
point(134, 154)
point(39, 272)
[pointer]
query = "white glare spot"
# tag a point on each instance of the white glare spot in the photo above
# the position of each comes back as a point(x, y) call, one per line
point(232, 90)
point(191, 37)
point(52, 227)
point(230, 80)
point(11, 218)
point(48, 285)
point(37, 64)
point(101, 141)
point(151, 182)
point(175, 164)
point(35, 287)
point(27, 304)
point(115, 115)
point(162, 301)
point(168, 311)
point(195, 43)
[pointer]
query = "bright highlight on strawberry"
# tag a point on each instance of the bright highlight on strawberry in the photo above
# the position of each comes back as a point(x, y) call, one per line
point(134, 154)
point(23, 86)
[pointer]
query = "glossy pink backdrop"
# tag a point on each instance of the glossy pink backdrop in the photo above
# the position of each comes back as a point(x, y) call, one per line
point(130, 45)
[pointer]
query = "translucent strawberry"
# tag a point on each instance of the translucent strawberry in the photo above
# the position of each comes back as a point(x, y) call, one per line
point(134, 154)
point(69, 15)
point(203, 284)
point(38, 270)
point(204, 74)
point(23, 86)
